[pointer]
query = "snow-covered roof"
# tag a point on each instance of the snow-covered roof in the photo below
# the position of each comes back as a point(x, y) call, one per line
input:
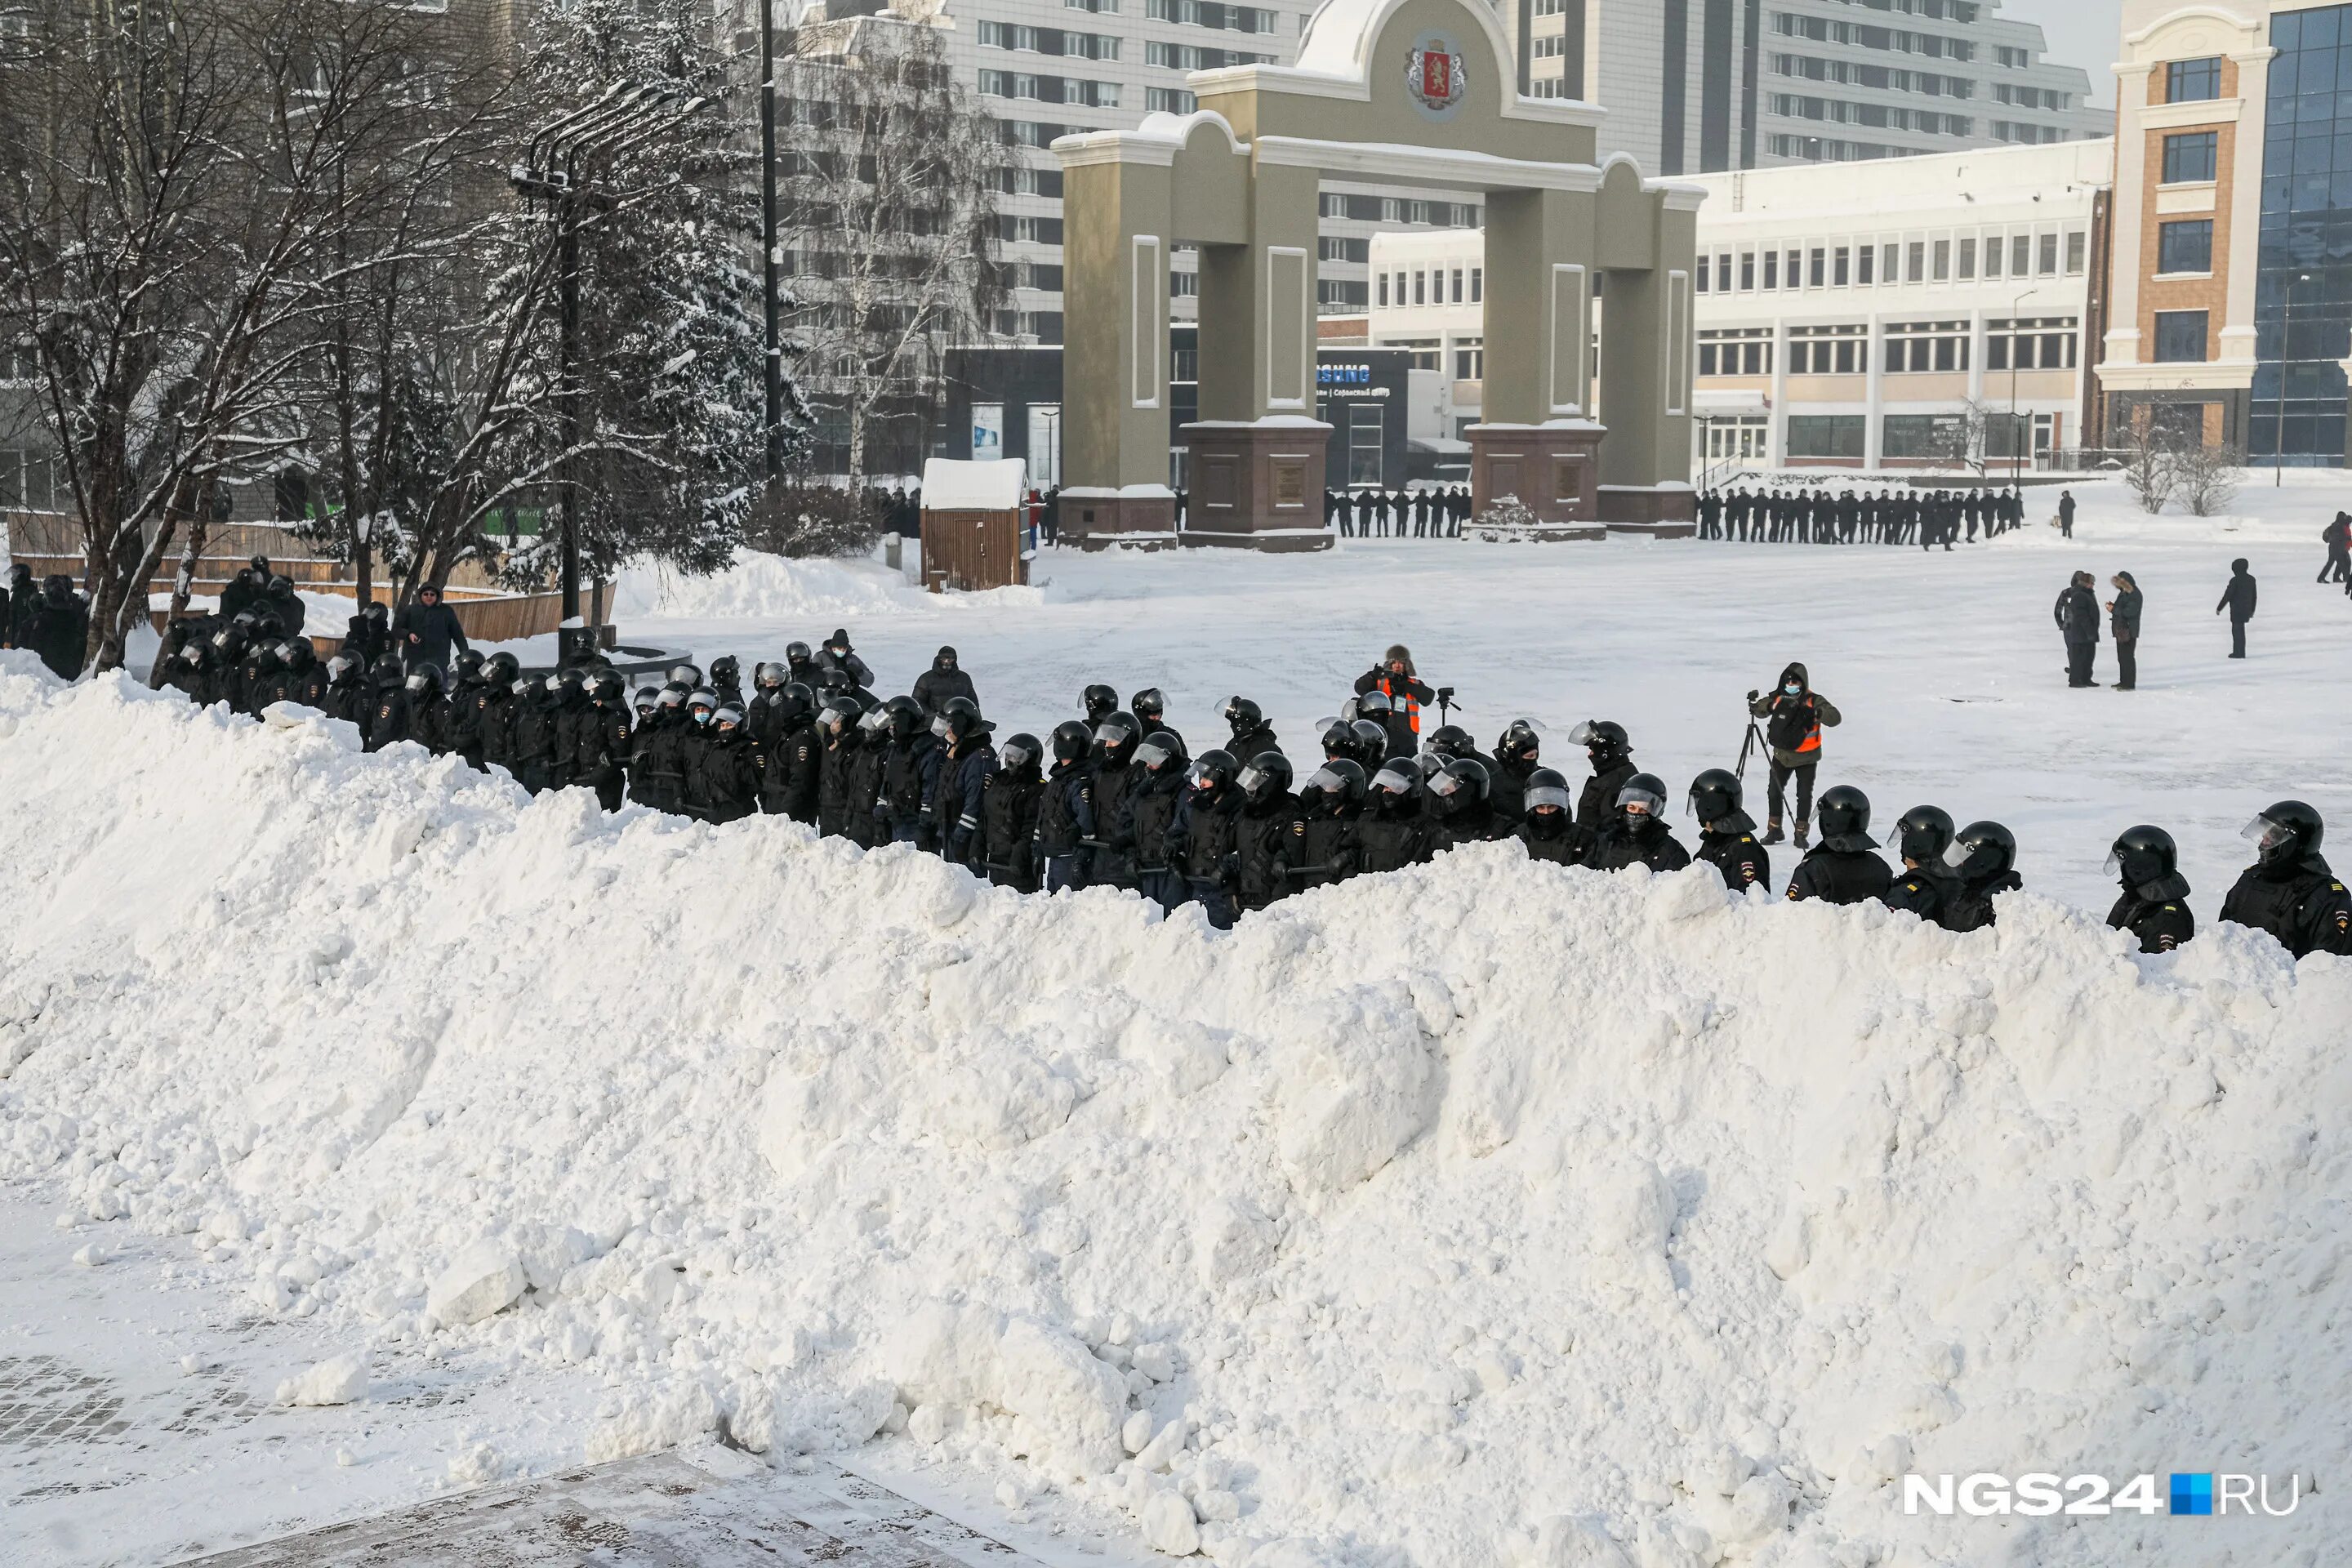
point(952, 485)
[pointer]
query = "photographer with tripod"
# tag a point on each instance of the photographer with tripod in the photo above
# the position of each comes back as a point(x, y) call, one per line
point(1393, 679)
point(1793, 718)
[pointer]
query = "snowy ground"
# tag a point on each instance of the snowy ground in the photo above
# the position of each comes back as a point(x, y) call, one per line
point(1484, 1214)
point(1947, 667)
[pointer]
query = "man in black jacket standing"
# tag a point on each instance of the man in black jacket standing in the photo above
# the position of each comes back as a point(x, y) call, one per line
point(945, 678)
point(2122, 620)
point(425, 631)
point(2077, 614)
point(2238, 598)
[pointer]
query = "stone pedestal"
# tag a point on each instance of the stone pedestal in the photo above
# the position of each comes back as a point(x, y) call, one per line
point(1141, 516)
point(1257, 485)
point(1657, 512)
point(1553, 470)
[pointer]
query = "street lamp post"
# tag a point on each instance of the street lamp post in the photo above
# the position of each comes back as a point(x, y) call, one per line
point(556, 170)
point(2287, 347)
point(2016, 446)
point(772, 380)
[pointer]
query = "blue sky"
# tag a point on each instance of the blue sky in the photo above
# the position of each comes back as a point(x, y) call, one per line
point(2081, 32)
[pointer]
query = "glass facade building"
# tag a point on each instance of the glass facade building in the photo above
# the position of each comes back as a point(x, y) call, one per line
point(2302, 301)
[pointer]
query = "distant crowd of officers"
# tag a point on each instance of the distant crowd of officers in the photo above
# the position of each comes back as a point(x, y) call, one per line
point(1926, 518)
point(51, 619)
point(1117, 798)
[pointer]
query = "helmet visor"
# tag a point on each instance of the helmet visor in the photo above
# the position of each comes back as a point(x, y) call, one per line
point(1109, 734)
point(1444, 784)
point(1395, 780)
point(1957, 853)
point(1648, 802)
point(2266, 832)
point(1151, 757)
point(1548, 795)
point(1011, 756)
point(1326, 780)
point(940, 726)
point(1249, 779)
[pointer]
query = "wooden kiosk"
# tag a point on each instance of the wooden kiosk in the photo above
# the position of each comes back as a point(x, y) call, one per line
point(976, 531)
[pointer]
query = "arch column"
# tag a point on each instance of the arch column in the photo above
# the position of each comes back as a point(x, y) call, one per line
point(1536, 441)
point(1118, 207)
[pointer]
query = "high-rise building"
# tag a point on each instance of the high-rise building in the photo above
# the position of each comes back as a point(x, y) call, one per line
point(1702, 86)
point(2233, 227)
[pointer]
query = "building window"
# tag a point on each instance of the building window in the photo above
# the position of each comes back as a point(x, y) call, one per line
point(1918, 273)
point(2192, 81)
point(1742, 351)
point(1457, 287)
point(2051, 342)
point(1384, 299)
point(2020, 255)
point(1829, 351)
point(1748, 272)
point(2191, 156)
point(1943, 260)
point(2180, 337)
point(1421, 287)
point(1723, 273)
point(1914, 348)
point(2185, 246)
point(1817, 273)
point(1864, 261)
point(1478, 285)
point(1940, 437)
point(2078, 245)
point(1169, 101)
point(1771, 269)
point(1469, 359)
point(1825, 435)
point(1968, 259)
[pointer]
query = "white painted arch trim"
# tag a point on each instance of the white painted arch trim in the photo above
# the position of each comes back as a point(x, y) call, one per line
point(1390, 161)
point(2236, 21)
point(1156, 141)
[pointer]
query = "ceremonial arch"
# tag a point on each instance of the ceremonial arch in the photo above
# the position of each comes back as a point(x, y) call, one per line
point(1415, 93)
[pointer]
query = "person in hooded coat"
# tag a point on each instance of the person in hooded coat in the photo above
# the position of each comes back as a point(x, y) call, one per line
point(836, 653)
point(1794, 715)
point(2076, 614)
point(59, 632)
point(945, 678)
point(1395, 678)
point(17, 606)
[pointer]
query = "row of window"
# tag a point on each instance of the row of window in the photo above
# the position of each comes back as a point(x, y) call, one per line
point(1430, 285)
point(1888, 78)
point(2026, 135)
point(1393, 209)
point(1034, 88)
point(1941, 260)
point(2032, 97)
point(1020, 180)
point(1911, 348)
point(1861, 34)
point(1942, 437)
point(1961, 11)
point(1169, 101)
point(1192, 57)
point(26, 481)
point(1828, 150)
point(1883, 117)
point(1048, 41)
point(1210, 14)
point(1045, 326)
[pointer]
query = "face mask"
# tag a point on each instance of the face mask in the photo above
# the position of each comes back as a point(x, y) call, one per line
point(1794, 691)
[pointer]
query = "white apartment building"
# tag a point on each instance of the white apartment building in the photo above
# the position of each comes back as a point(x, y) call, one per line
point(1886, 315)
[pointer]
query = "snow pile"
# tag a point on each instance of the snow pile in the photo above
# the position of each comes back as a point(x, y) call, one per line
point(338, 1380)
point(762, 585)
point(1489, 1213)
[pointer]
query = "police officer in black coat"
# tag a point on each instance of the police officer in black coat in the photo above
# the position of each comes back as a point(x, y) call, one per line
point(16, 605)
point(1151, 805)
point(367, 636)
point(533, 746)
point(1927, 885)
point(1251, 733)
point(60, 630)
point(1395, 832)
point(1112, 753)
point(1066, 811)
point(1548, 830)
point(910, 775)
point(1727, 834)
point(968, 761)
point(1149, 707)
point(601, 762)
point(1638, 834)
point(2154, 903)
point(1006, 845)
point(1324, 847)
point(1610, 751)
point(1270, 818)
point(1204, 841)
point(864, 824)
point(490, 717)
point(2289, 890)
point(186, 674)
point(789, 759)
point(1983, 856)
point(1461, 810)
point(1845, 866)
point(1517, 754)
point(836, 725)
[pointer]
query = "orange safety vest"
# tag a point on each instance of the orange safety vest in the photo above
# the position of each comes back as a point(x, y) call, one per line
point(1812, 741)
point(1412, 704)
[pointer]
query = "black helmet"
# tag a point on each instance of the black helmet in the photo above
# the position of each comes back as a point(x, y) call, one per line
point(646, 698)
point(1715, 796)
point(1396, 782)
point(1371, 743)
point(726, 670)
point(1098, 700)
point(296, 653)
point(906, 717)
point(840, 715)
point(796, 653)
point(727, 716)
point(1547, 789)
point(1923, 835)
point(470, 665)
point(281, 584)
point(2285, 833)
point(500, 669)
point(1116, 737)
point(1338, 739)
point(1336, 785)
point(1213, 770)
point(268, 628)
point(959, 722)
point(2143, 856)
point(386, 669)
point(1244, 715)
point(1267, 776)
point(1981, 849)
point(1604, 738)
point(1019, 754)
point(608, 685)
point(1460, 785)
point(832, 678)
point(768, 675)
point(1162, 752)
point(703, 705)
point(1450, 741)
point(1374, 705)
point(566, 682)
point(1071, 739)
point(1845, 814)
point(425, 678)
point(262, 655)
point(1149, 706)
point(1643, 795)
point(1520, 742)
point(686, 675)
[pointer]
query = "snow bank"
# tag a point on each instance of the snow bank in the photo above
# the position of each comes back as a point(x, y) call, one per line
point(1489, 1213)
point(771, 585)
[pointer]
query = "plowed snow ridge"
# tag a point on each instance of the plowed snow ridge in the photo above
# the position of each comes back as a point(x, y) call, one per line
point(1485, 1213)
